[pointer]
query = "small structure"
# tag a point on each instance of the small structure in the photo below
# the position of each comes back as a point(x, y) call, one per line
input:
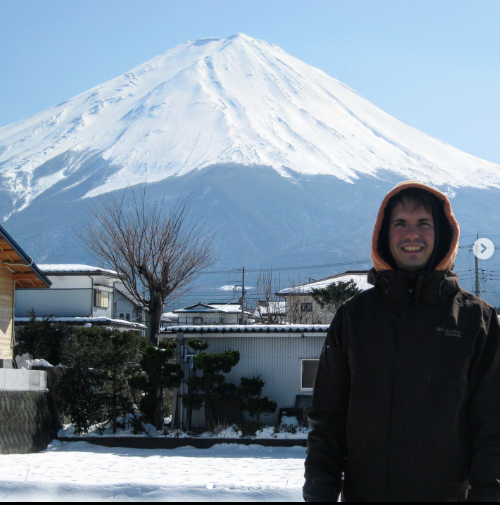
point(214, 313)
point(286, 357)
point(17, 271)
point(79, 295)
point(300, 305)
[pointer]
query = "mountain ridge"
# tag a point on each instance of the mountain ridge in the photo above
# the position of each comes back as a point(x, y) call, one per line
point(215, 101)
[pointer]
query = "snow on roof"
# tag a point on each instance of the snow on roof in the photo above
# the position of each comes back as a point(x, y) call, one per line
point(265, 308)
point(169, 315)
point(211, 309)
point(360, 278)
point(100, 321)
point(250, 328)
point(75, 269)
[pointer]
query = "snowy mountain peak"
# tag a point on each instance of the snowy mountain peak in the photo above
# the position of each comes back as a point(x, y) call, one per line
point(216, 101)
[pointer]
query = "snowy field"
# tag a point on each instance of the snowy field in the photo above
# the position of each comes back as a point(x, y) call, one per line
point(79, 471)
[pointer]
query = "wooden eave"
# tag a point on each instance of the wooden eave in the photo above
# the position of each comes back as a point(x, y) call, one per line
point(23, 270)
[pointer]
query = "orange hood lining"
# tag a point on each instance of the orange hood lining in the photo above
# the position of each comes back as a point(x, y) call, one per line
point(448, 261)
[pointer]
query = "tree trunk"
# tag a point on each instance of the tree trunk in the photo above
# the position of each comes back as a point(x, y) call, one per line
point(114, 404)
point(159, 417)
point(155, 313)
point(208, 407)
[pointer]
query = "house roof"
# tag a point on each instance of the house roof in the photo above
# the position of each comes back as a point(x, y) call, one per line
point(360, 277)
point(67, 269)
point(24, 270)
point(250, 328)
point(210, 309)
point(120, 287)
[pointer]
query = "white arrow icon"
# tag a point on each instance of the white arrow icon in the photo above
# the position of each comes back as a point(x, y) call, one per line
point(483, 248)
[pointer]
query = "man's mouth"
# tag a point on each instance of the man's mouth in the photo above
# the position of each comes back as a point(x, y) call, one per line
point(412, 248)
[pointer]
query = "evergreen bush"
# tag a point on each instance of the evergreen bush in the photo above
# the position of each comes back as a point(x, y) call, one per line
point(160, 372)
point(41, 339)
point(252, 402)
point(209, 388)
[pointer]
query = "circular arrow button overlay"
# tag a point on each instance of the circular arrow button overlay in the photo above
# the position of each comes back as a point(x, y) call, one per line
point(483, 248)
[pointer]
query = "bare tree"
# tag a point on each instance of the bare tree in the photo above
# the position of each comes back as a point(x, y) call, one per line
point(158, 252)
point(268, 308)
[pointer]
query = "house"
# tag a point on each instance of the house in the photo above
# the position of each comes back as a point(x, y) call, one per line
point(272, 312)
point(213, 313)
point(300, 306)
point(169, 319)
point(26, 421)
point(17, 271)
point(286, 357)
point(126, 308)
point(79, 295)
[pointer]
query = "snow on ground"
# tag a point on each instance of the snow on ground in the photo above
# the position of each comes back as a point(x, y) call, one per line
point(25, 362)
point(289, 430)
point(79, 471)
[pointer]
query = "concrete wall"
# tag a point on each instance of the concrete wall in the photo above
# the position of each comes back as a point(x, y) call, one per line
point(26, 423)
point(22, 380)
point(6, 300)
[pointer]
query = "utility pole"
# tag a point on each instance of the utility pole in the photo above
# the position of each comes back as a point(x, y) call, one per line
point(478, 287)
point(243, 297)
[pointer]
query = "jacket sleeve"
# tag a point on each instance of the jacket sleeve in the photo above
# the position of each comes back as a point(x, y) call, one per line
point(326, 447)
point(483, 413)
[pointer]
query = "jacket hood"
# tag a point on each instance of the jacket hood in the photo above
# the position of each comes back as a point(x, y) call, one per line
point(381, 263)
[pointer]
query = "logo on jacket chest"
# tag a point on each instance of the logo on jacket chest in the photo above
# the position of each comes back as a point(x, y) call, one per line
point(448, 332)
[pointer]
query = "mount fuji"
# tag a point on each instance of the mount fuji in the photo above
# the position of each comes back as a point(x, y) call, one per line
point(288, 165)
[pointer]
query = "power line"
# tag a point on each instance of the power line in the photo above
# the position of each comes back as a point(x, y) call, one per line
point(287, 269)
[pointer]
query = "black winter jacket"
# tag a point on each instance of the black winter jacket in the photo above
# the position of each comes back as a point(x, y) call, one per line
point(407, 399)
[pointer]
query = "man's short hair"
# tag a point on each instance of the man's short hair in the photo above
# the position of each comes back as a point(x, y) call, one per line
point(414, 197)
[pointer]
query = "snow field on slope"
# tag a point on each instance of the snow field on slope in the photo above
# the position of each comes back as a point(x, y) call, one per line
point(221, 101)
point(83, 472)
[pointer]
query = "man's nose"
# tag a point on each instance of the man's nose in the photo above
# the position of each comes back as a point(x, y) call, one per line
point(412, 233)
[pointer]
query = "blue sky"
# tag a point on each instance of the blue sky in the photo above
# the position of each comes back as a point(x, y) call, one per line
point(434, 65)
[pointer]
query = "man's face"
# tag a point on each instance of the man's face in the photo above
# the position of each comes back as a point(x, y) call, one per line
point(411, 236)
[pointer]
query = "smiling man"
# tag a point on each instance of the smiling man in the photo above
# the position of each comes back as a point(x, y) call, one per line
point(407, 399)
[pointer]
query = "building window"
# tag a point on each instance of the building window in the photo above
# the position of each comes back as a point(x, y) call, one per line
point(197, 320)
point(122, 317)
point(308, 371)
point(306, 307)
point(101, 299)
point(127, 317)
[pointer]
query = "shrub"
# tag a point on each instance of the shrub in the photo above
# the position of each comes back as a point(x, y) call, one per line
point(209, 388)
point(252, 402)
point(99, 362)
point(42, 339)
point(160, 372)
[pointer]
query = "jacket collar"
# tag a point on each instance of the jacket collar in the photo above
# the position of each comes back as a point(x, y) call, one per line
point(430, 286)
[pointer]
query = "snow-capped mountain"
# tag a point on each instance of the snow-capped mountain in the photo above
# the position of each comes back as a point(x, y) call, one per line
point(216, 101)
point(287, 164)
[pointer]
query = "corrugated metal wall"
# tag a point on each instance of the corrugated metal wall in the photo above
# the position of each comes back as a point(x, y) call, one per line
point(276, 359)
